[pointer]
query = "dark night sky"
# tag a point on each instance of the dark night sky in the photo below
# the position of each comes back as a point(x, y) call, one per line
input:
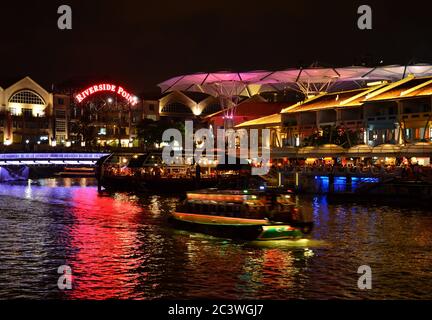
point(141, 43)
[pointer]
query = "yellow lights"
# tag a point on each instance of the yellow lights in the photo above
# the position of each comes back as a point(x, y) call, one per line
point(310, 160)
point(376, 83)
point(215, 197)
point(18, 109)
point(278, 228)
point(7, 142)
point(197, 111)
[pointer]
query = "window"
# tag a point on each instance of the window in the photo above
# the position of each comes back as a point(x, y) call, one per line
point(27, 97)
point(31, 125)
point(60, 113)
point(151, 107)
point(27, 112)
point(213, 108)
point(60, 138)
point(60, 126)
point(176, 108)
point(60, 101)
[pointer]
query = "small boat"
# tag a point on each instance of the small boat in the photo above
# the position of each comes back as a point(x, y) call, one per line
point(74, 172)
point(242, 214)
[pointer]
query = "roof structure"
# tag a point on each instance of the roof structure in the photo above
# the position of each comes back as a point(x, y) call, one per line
point(307, 80)
point(264, 121)
point(408, 87)
point(253, 108)
point(332, 100)
point(424, 89)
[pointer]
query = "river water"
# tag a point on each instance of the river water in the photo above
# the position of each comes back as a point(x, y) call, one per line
point(120, 246)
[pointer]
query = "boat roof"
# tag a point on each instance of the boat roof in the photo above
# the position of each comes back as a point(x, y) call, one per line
point(215, 191)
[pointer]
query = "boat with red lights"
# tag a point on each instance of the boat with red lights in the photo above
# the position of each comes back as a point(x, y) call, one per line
point(243, 214)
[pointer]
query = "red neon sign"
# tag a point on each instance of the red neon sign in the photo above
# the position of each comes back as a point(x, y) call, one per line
point(106, 88)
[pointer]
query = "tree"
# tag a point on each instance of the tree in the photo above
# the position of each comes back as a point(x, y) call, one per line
point(333, 135)
point(150, 132)
point(83, 128)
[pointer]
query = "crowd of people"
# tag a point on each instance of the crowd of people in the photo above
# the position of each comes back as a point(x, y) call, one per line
point(400, 169)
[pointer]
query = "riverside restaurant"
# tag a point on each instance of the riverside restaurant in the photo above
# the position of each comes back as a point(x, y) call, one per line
point(418, 153)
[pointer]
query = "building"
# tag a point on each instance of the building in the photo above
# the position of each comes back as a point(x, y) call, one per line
point(384, 113)
point(107, 120)
point(33, 118)
point(187, 105)
point(27, 114)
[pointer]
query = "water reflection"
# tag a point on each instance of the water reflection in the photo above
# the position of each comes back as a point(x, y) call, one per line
point(120, 246)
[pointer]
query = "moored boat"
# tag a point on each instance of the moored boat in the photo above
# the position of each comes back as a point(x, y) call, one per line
point(149, 173)
point(242, 214)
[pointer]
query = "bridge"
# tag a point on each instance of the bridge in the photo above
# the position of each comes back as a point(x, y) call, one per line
point(50, 159)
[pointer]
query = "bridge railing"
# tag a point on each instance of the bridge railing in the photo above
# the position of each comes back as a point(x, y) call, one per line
point(51, 156)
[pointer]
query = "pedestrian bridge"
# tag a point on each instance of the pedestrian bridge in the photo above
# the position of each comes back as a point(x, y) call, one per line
point(51, 159)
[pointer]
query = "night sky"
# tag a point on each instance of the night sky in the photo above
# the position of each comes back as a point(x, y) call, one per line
point(141, 43)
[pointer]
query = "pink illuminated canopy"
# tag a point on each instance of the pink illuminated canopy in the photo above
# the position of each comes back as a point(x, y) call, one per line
point(105, 87)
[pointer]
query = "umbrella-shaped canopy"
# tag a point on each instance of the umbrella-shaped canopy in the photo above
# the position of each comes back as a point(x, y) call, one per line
point(253, 82)
point(228, 86)
point(398, 72)
point(217, 83)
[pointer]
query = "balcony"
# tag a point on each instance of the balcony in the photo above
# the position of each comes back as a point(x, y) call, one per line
point(417, 116)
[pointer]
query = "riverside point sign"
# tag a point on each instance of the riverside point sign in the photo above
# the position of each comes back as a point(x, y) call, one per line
point(105, 87)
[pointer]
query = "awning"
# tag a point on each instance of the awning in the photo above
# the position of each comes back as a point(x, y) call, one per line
point(327, 150)
point(361, 150)
point(285, 152)
point(419, 149)
point(386, 149)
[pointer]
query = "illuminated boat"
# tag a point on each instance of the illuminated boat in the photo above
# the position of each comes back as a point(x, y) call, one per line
point(148, 172)
point(242, 214)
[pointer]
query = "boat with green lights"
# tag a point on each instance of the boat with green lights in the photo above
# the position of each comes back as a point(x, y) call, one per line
point(243, 214)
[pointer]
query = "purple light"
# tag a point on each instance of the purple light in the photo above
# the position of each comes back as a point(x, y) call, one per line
point(44, 156)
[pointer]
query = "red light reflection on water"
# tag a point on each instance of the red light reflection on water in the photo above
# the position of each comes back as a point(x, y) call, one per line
point(103, 240)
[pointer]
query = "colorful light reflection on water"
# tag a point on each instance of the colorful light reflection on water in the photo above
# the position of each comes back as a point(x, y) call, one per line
point(120, 246)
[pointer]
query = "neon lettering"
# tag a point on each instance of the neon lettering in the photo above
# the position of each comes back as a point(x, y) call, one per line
point(81, 96)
